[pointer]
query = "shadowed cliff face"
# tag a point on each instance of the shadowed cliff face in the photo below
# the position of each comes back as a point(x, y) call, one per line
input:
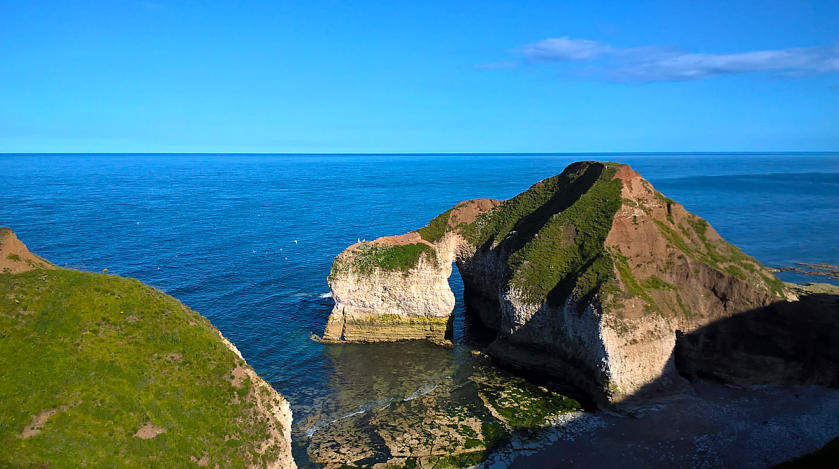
point(586, 277)
point(783, 343)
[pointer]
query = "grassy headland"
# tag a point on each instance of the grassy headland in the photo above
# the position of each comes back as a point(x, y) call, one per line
point(103, 371)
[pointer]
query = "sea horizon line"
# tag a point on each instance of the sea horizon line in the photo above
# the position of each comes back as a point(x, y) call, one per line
point(636, 153)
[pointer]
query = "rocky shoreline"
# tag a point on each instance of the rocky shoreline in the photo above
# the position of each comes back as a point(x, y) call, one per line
point(596, 280)
point(812, 269)
point(704, 425)
point(589, 276)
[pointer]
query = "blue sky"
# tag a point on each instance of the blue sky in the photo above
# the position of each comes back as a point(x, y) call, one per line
point(180, 76)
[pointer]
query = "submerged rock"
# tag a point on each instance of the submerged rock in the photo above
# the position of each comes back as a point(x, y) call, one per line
point(452, 420)
point(586, 276)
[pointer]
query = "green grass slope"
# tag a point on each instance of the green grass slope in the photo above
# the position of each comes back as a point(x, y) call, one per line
point(87, 359)
point(555, 233)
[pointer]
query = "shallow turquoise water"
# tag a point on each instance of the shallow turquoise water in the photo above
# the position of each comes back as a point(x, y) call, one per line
point(247, 240)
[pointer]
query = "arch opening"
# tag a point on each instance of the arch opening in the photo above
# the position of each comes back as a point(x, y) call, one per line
point(467, 327)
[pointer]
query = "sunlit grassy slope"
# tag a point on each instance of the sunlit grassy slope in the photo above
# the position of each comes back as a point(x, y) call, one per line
point(86, 360)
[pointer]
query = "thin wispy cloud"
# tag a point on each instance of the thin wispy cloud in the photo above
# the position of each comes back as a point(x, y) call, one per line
point(498, 65)
point(657, 63)
point(563, 48)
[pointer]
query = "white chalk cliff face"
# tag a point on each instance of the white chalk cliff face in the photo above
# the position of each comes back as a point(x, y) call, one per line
point(390, 303)
point(587, 276)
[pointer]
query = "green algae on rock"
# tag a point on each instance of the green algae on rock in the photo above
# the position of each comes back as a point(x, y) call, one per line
point(448, 423)
point(101, 370)
point(585, 276)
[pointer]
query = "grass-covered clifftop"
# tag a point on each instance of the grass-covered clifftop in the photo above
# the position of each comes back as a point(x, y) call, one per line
point(102, 371)
point(554, 232)
point(566, 255)
point(554, 238)
point(367, 258)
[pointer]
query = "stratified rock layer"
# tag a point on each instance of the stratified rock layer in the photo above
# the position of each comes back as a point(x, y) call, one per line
point(586, 276)
point(394, 288)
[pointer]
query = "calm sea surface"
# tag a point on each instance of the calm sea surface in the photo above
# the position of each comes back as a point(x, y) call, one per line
point(247, 240)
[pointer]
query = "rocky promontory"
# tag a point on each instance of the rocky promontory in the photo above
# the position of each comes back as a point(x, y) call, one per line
point(104, 371)
point(588, 276)
point(15, 258)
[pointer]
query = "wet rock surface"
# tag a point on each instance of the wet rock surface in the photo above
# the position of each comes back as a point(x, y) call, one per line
point(813, 269)
point(460, 415)
point(706, 425)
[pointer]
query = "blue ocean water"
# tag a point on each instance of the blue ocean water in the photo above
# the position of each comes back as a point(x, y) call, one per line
point(247, 240)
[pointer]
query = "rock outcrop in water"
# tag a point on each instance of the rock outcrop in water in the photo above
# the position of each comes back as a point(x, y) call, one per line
point(397, 287)
point(586, 276)
point(100, 370)
point(394, 288)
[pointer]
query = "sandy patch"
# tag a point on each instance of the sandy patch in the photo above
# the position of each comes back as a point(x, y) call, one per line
point(203, 462)
point(15, 258)
point(239, 374)
point(149, 431)
point(38, 422)
point(467, 211)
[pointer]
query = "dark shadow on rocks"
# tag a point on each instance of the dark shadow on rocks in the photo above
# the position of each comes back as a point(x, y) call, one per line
point(567, 374)
point(573, 187)
point(477, 334)
point(784, 343)
point(688, 419)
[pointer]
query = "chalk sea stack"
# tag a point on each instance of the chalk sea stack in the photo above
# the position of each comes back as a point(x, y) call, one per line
point(104, 371)
point(586, 276)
